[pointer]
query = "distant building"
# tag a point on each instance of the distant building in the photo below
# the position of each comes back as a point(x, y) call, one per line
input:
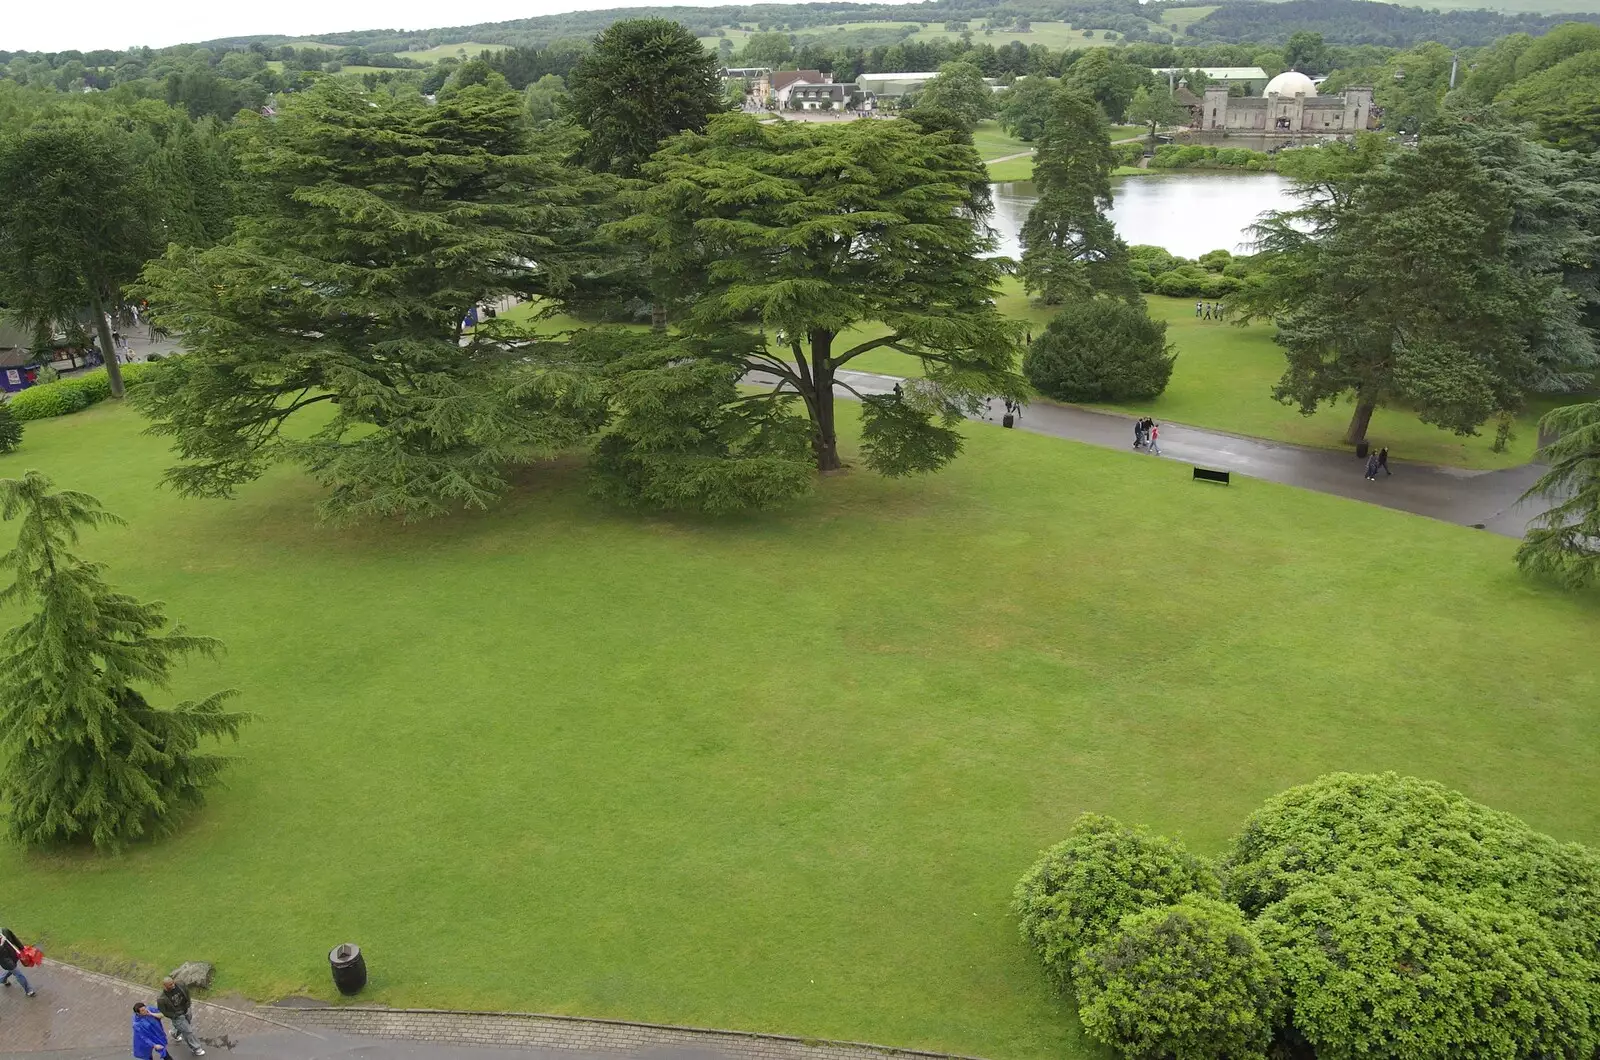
point(1289, 106)
point(893, 86)
point(810, 90)
point(1252, 77)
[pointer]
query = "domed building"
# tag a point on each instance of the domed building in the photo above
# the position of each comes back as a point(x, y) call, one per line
point(1288, 106)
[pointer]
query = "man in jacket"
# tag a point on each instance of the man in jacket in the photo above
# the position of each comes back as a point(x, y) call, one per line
point(149, 1036)
point(175, 1005)
point(10, 961)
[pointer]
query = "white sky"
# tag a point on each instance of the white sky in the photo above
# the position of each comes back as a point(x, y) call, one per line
point(34, 25)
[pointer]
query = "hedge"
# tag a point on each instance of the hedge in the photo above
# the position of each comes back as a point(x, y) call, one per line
point(71, 394)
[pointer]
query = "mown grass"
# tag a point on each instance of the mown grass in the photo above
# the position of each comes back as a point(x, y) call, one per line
point(780, 772)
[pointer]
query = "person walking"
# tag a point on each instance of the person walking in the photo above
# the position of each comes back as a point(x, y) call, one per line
point(1198, 307)
point(175, 1004)
point(1372, 467)
point(1155, 437)
point(1383, 460)
point(11, 961)
point(149, 1036)
point(1138, 433)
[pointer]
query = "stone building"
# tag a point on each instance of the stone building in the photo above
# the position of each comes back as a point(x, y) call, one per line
point(1288, 106)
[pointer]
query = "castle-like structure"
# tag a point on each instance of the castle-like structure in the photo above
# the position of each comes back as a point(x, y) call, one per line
point(1288, 106)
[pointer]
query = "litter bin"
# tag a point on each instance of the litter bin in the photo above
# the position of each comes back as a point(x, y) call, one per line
point(349, 968)
point(1362, 448)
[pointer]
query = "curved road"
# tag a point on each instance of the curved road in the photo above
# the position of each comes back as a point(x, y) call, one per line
point(1489, 500)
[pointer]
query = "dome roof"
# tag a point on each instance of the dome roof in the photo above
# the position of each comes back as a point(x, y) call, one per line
point(1290, 83)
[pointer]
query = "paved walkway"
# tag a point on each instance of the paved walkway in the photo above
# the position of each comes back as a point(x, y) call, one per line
point(1486, 499)
point(82, 1015)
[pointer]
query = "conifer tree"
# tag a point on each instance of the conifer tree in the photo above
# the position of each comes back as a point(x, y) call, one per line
point(90, 757)
point(1070, 247)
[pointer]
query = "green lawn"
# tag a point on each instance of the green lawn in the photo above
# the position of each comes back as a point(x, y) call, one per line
point(1223, 379)
point(465, 49)
point(1179, 19)
point(781, 772)
point(1015, 169)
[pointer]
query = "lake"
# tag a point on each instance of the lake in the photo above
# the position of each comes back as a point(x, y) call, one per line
point(1187, 213)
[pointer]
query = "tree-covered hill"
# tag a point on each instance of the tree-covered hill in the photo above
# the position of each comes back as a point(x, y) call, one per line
point(1366, 22)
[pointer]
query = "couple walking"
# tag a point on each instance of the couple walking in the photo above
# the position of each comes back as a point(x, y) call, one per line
point(150, 1037)
point(1147, 436)
point(1377, 460)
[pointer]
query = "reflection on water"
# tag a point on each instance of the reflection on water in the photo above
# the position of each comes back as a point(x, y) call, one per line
point(1187, 213)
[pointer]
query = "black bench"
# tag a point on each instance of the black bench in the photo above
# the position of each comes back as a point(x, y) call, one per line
point(1205, 474)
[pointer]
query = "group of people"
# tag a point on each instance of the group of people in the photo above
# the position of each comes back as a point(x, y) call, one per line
point(1209, 310)
point(1147, 435)
point(150, 1038)
point(1377, 460)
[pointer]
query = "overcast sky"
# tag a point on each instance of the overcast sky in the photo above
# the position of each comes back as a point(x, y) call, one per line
point(35, 25)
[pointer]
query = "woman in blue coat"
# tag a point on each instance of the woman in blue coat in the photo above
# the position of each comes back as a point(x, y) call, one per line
point(149, 1036)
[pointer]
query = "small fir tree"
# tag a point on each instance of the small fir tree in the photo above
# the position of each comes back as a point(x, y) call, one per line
point(10, 429)
point(90, 757)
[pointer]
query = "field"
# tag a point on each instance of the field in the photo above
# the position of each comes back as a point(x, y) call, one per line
point(1223, 379)
point(780, 772)
point(466, 50)
point(1179, 19)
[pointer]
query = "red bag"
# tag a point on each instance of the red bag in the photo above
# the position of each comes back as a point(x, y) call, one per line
point(30, 957)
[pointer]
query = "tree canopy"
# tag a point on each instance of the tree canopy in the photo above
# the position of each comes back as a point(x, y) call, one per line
point(960, 89)
point(797, 247)
point(375, 226)
point(642, 81)
point(90, 758)
point(1432, 276)
point(1070, 248)
point(1564, 542)
point(77, 221)
point(1101, 349)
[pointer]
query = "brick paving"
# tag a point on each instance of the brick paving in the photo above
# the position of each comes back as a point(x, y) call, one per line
point(534, 1031)
point(82, 1010)
point(84, 1015)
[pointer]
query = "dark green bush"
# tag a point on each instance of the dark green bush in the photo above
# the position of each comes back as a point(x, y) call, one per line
point(1195, 156)
point(1128, 154)
point(10, 428)
point(1156, 260)
point(1374, 967)
point(1215, 260)
point(1101, 350)
point(1184, 980)
point(1075, 894)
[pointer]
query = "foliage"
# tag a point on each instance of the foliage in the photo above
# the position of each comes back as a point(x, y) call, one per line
point(1100, 349)
point(1154, 108)
point(1108, 78)
point(1430, 276)
point(1026, 108)
point(71, 243)
point(683, 438)
point(642, 81)
point(72, 394)
point(1306, 52)
point(1363, 22)
point(375, 226)
point(1380, 966)
point(1186, 981)
point(1564, 542)
point(10, 428)
point(1069, 246)
point(1076, 893)
point(90, 757)
point(960, 89)
point(781, 236)
point(1198, 156)
point(542, 100)
point(1563, 102)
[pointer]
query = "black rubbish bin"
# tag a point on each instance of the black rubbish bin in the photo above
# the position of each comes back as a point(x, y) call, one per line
point(1362, 449)
point(349, 968)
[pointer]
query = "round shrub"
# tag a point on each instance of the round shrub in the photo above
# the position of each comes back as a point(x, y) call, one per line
point(1373, 968)
point(10, 428)
point(1101, 350)
point(1075, 894)
point(48, 399)
point(1185, 981)
point(1364, 823)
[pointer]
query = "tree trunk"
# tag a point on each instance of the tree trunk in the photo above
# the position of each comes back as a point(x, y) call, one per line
point(1358, 423)
point(658, 315)
point(824, 439)
point(108, 349)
